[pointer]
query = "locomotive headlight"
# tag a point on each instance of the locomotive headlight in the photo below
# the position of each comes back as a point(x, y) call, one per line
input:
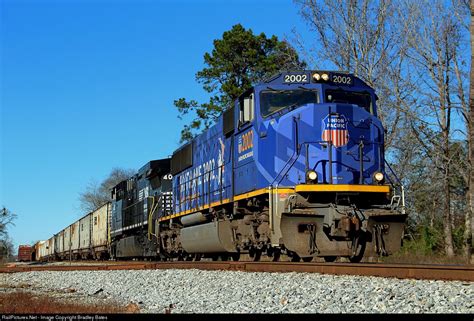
point(378, 177)
point(325, 77)
point(316, 77)
point(311, 176)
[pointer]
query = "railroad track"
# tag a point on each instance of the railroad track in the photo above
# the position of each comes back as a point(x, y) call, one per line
point(402, 271)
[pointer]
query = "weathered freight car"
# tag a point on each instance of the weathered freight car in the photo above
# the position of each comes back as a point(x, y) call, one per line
point(100, 231)
point(58, 245)
point(26, 253)
point(41, 250)
point(75, 234)
point(66, 253)
point(85, 233)
point(50, 244)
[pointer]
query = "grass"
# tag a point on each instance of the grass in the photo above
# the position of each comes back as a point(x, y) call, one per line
point(421, 258)
point(417, 252)
point(21, 302)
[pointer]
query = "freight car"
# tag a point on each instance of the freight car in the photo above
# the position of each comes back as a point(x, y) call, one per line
point(86, 238)
point(296, 166)
point(26, 253)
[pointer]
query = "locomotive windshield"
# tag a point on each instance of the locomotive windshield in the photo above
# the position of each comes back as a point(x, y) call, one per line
point(350, 97)
point(272, 101)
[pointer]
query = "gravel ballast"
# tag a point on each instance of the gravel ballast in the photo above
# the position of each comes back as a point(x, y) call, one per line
point(197, 291)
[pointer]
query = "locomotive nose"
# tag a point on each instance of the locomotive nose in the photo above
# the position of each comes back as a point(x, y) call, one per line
point(346, 149)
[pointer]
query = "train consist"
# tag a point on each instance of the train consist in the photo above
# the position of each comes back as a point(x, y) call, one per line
point(295, 167)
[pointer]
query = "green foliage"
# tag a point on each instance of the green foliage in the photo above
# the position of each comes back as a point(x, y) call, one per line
point(458, 237)
point(431, 239)
point(238, 60)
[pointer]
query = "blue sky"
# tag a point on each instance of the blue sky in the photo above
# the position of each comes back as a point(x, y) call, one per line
point(89, 85)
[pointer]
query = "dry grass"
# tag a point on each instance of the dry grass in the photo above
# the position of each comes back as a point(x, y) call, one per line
point(20, 302)
point(419, 258)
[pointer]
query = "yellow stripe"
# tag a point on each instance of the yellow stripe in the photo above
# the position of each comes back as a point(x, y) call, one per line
point(343, 188)
point(250, 194)
point(199, 208)
point(299, 188)
point(226, 201)
point(283, 190)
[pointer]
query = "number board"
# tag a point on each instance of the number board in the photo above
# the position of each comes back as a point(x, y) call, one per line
point(296, 79)
point(341, 79)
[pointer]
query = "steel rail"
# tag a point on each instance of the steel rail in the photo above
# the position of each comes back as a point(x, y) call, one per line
point(401, 271)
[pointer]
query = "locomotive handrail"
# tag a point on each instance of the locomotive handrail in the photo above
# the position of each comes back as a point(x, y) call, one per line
point(329, 147)
point(400, 184)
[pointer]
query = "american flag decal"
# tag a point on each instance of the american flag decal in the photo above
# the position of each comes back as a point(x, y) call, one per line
point(334, 130)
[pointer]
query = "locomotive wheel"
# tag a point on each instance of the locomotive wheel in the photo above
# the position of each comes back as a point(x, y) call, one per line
point(197, 257)
point(255, 254)
point(224, 257)
point(235, 256)
point(307, 259)
point(330, 258)
point(276, 255)
point(355, 258)
point(295, 258)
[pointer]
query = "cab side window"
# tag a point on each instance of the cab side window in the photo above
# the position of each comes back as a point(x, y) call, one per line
point(246, 112)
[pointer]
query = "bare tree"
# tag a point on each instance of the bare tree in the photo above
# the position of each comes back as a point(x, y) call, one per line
point(463, 11)
point(359, 36)
point(6, 245)
point(6, 218)
point(468, 221)
point(97, 194)
point(435, 42)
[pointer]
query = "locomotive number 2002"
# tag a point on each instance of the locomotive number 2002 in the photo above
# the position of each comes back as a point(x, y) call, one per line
point(341, 79)
point(301, 78)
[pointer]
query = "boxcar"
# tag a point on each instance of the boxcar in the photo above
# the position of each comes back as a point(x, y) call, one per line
point(25, 253)
point(75, 239)
point(85, 236)
point(50, 249)
point(40, 249)
point(100, 231)
point(57, 245)
point(61, 245)
point(67, 242)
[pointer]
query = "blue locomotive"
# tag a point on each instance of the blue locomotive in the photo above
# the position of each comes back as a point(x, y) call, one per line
point(296, 167)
